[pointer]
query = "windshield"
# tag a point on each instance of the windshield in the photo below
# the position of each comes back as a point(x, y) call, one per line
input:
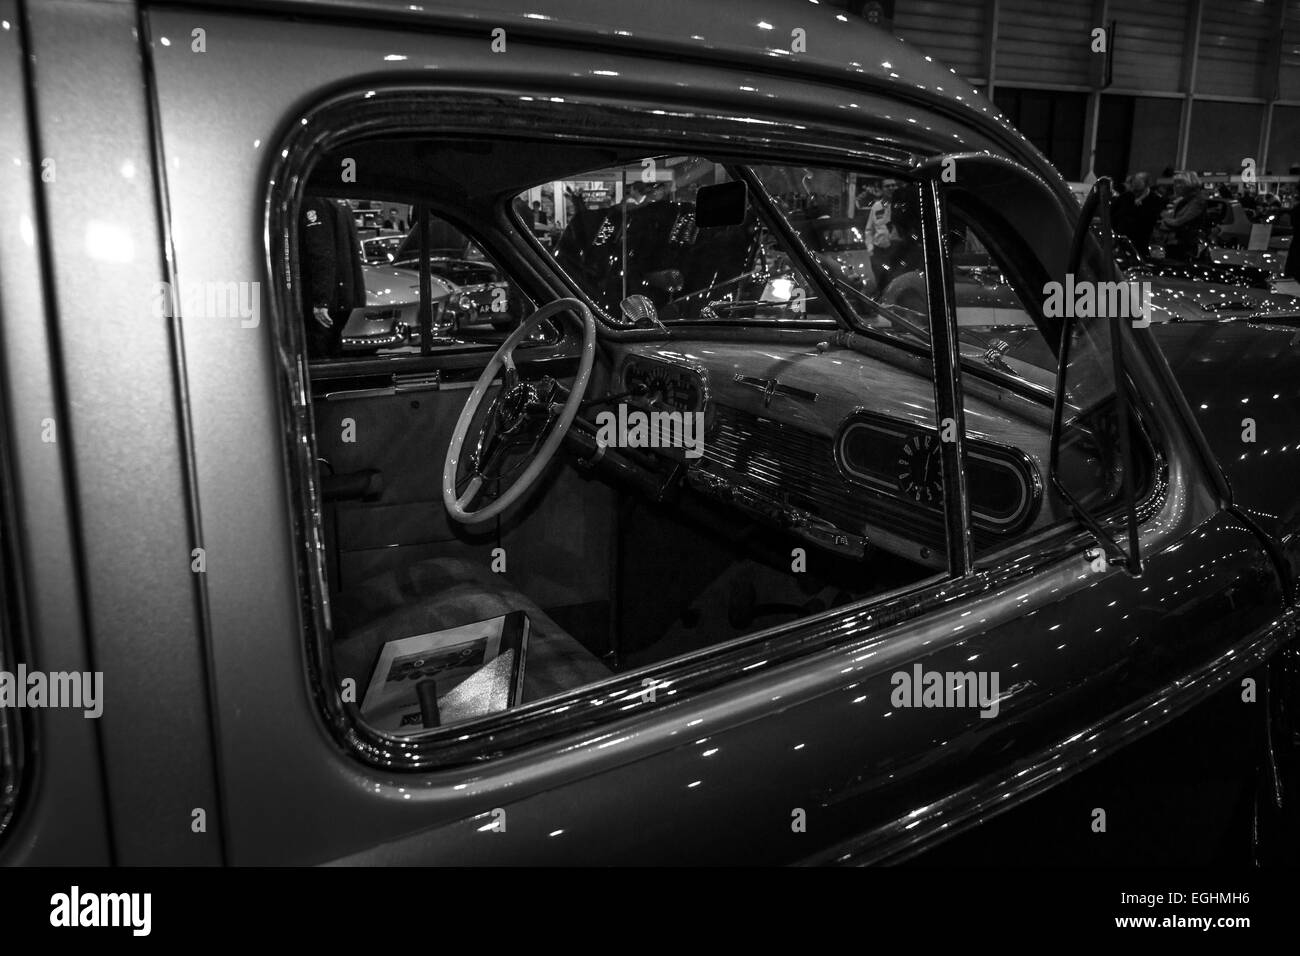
point(632, 230)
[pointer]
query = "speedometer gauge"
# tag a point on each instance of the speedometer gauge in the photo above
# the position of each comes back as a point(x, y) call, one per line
point(920, 471)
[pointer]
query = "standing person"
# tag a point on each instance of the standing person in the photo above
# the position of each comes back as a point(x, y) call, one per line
point(1185, 222)
point(1292, 268)
point(904, 252)
point(865, 199)
point(1134, 212)
point(329, 268)
point(881, 233)
point(541, 222)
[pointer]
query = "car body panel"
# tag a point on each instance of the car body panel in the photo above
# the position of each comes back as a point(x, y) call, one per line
point(143, 598)
point(1271, 260)
point(1249, 421)
point(62, 815)
point(1191, 299)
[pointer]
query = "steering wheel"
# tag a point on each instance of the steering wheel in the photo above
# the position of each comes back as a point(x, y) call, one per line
point(523, 414)
point(906, 291)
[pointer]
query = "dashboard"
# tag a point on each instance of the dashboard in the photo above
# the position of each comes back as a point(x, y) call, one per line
point(839, 447)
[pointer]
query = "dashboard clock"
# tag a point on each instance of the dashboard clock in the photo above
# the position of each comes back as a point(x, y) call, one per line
point(920, 471)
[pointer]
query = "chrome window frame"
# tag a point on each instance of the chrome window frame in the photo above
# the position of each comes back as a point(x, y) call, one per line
point(436, 109)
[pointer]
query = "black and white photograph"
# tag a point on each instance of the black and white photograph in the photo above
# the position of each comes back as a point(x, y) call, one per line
point(692, 434)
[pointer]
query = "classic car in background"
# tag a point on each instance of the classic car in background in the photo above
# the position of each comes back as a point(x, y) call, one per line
point(1271, 260)
point(1227, 258)
point(1230, 240)
point(1181, 291)
point(467, 295)
point(1231, 221)
point(711, 535)
point(1243, 276)
point(381, 250)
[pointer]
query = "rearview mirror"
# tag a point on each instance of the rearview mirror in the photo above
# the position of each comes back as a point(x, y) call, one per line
point(721, 205)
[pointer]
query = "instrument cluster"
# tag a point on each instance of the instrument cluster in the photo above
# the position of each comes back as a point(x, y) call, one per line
point(660, 384)
point(899, 458)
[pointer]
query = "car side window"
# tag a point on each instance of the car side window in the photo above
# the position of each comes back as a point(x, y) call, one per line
point(359, 268)
point(750, 461)
point(1005, 334)
point(993, 317)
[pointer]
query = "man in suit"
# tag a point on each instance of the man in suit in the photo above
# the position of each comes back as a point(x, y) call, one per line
point(329, 267)
point(1134, 212)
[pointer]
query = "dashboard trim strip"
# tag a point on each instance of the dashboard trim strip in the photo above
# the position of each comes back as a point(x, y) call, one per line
point(771, 387)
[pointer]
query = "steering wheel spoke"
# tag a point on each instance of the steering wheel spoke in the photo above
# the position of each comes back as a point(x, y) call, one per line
point(509, 374)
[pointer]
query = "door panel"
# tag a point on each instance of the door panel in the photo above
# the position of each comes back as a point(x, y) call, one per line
point(402, 437)
point(557, 550)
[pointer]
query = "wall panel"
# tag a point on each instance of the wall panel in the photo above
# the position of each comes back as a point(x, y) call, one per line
point(1223, 134)
point(1149, 38)
point(952, 33)
point(1234, 48)
point(1045, 42)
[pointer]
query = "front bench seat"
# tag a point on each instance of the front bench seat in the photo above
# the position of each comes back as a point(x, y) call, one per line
point(446, 592)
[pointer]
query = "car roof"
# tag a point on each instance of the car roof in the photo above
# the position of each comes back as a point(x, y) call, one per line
point(757, 33)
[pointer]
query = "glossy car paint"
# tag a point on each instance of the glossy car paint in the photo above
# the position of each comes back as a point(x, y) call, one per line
point(62, 816)
point(1250, 420)
point(186, 450)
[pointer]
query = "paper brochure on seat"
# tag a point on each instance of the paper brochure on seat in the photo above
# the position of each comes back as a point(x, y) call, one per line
point(470, 670)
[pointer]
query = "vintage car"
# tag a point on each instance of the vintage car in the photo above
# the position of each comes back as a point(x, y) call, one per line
point(1271, 260)
point(1136, 264)
point(1230, 241)
point(712, 555)
point(1180, 291)
point(1232, 223)
point(463, 294)
point(380, 250)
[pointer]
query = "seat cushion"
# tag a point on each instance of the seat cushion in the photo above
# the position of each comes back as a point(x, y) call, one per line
point(447, 592)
